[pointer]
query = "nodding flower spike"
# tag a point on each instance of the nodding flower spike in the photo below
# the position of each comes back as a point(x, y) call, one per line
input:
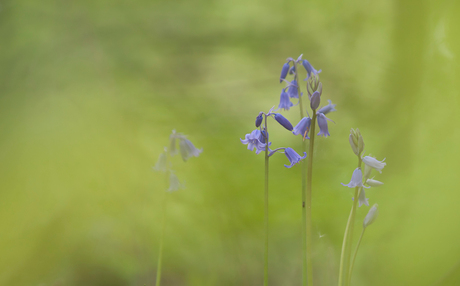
point(371, 215)
point(328, 108)
point(293, 157)
point(253, 141)
point(362, 198)
point(302, 127)
point(374, 163)
point(310, 69)
point(315, 99)
point(322, 123)
point(285, 102)
point(259, 119)
point(292, 89)
point(356, 179)
point(284, 71)
point(187, 149)
point(283, 121)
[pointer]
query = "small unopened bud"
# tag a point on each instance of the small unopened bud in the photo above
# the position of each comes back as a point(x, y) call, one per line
point(371, 215)
point(354, 147)
point(367, 171)
point(373, 183)
point(360, 141)
point(259, 120)
point(320, 88)
point(283, 121)
point(315, 100)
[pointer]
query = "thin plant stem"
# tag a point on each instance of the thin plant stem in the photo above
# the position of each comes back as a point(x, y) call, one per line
point(354, 256)
point(266, 207)
point(163, 226)
point(308, 199)
point(304, 193)
point(342, 255)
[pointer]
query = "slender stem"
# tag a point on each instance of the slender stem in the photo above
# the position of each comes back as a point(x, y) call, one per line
point(266, 206)
point(354, 256)
point(342, 255)
point(163, 226)
point(308, 199)
point(305, 255)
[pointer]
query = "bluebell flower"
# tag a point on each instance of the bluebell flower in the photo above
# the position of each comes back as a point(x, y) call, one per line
point(161, 163)
point(292, 89)
point(373, 183)
point(253, 141)
point(303, 127)
point(263, 135)
point(293, 157)
point(284, 72)
point(315, 99)
point(174, 183)
point(172, 143)
point(310, 69)
point(328, 108)
point(187, 149)
point(322, 123)
point(356, 179)
point(283, 121)
point(285, 102)
point(374, 163)
point(259, 119)
point(362, 200)
point(292, 70)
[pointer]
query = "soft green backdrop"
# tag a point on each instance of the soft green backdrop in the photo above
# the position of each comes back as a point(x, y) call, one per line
point(90, 91)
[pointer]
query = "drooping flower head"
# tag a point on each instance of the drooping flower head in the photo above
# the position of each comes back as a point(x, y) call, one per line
point(303, 127)
point(161, 163)
point(283, 121)
point(253, 141)
point(310, 69)
point(322, 123)
point(362, 198)
point(284, 71)
point(293, 157)
point(285, 102)
point(187, 149)
point(374, 163)
point(292, 89)
point(356, 179)
point(174, 183)
point(328, 108)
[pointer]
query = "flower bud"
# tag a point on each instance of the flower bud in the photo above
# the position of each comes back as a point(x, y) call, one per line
point(373, 183)
point(367, 171)
point(283, 121)
point(315, 99)
point(360, 141)
point(371, 215)
point(259, 119)
point(354, 147)
point(284, 72)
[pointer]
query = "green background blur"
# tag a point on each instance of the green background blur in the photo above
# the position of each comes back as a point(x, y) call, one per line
point(91, 90)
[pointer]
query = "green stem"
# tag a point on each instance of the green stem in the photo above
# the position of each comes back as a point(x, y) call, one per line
point(308, 199)
point(342, 255)
point(266, 207)
point(163, 226)
point(354, 257)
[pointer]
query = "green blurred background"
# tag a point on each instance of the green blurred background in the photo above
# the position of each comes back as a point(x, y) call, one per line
point(90, 91)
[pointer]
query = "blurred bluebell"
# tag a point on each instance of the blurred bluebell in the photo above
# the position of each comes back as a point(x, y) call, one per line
point(292, 70)
point(253, 141)
point(187, 149)
point(292, 89)
point(293, 157)
point(161, 163)
point(283, 121)
point(172, 143)
point(328, 108)
point(322, 123)
point(259, 119)
point(374, 163)
point(371, 215)
point(315, 100)
point(284, 71)
point(285, 102)
point(362, 198)
point(263, 135)
point(303, 127)
point(356, 179)
point(174, 183)
point(310, 69)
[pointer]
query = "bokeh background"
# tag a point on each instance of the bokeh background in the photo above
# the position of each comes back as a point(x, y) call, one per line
point(91, 90)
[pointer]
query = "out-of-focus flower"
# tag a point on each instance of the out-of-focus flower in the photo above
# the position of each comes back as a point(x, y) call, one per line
point(161, 163)
point(371, 215)
point(322, 123)
point(172, 143)
point(293, 157)
point(253, 141)
point(284, 71)
point(374, 163)
point(292, 89)
point(283, 121)
point(310, 69)
point(174, 183)
point(302, 127)
point(362, 198)
point(285, 102)
point(328, 108)
point(315, 99)
point(356, 179)
point(373, 183)
point(187, 149)
point(259, 119)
